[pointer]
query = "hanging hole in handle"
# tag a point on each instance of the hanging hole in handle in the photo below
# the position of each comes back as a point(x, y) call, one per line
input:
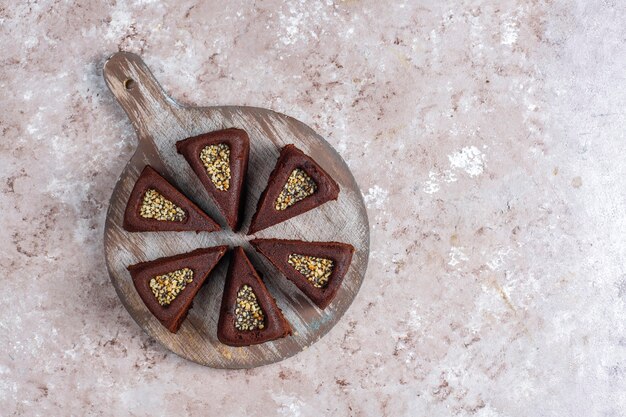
point(129, 84)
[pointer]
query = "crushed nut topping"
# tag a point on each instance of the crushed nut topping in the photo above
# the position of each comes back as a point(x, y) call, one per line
point(298, 187)
point(316, 270)
point(216, 160)
point(155, 206)
point(248, 313)
point(167, 287)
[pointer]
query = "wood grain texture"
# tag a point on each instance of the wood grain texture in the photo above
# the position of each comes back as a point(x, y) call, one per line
point(160, 122)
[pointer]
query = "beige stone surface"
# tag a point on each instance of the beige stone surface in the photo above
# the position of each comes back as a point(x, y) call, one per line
point(486, 137)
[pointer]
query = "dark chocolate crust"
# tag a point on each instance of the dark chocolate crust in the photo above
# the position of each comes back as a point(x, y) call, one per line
point(229, 202)
point(291, 158)
point(240, 272)
point(278, 251)
point(195, 218)
point(200, 261)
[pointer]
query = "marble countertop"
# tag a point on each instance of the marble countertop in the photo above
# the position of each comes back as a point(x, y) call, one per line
point(486, 139)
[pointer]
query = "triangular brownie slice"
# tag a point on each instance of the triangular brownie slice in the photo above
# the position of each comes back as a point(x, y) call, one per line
point(168, 285)
point(249, 315)
point(155, 205)
point(317, 268)
point(297, 184)
point(220, 160)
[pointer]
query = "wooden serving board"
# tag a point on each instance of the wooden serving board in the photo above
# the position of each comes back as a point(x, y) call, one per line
point(160, 122)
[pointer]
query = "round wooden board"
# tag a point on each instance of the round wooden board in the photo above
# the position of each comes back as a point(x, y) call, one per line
point(160, 122)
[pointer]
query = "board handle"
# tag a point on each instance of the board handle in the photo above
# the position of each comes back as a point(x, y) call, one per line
point(148, 107)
